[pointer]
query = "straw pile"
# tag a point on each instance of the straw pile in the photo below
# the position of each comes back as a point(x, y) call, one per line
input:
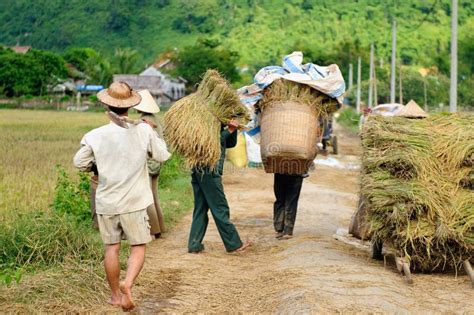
point(417, 180)
point(287, 91)
point(193, 124)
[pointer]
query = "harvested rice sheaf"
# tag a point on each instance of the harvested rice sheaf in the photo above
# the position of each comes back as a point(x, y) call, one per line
point(193, 123)
point(417, 182)
point(284, 91)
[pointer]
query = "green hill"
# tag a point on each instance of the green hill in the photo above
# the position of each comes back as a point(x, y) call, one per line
point(260, 30)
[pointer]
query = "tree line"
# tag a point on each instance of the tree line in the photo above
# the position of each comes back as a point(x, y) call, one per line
point(37, 70)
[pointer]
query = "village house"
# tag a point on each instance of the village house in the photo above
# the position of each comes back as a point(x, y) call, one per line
point(163, 87)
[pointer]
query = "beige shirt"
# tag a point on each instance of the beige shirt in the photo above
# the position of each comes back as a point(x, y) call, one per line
point(120, 155)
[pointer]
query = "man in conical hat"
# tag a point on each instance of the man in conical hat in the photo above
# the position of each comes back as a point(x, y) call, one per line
point(148, 108)
point(123, 191)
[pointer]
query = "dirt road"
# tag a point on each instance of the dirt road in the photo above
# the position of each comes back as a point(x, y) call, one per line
point(310, 273)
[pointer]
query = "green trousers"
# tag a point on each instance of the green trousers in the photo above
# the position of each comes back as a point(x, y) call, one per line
point(209, 194)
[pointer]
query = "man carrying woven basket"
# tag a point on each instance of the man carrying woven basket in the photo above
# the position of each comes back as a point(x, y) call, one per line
point(123, 192)
point(209, 194)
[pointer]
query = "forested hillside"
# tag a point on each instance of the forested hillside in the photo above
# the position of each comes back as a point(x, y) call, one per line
point(260, 31)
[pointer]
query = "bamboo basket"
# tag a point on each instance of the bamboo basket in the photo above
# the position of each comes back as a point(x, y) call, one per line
point(289, 135)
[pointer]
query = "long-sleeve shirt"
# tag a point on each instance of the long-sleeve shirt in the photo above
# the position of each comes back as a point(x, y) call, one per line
point(120, 155)
point(228, 140)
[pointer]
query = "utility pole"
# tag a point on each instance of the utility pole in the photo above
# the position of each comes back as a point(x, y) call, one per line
point(350, 77)
point(425, 94)
point(394, 57)
point(453, 91)
point(371, 75)
point(400, 84)
point(376, 99)
point(358, 85)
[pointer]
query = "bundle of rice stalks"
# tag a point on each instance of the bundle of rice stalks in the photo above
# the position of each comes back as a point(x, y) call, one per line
point(285, 91)
point(413, 175)
point(193, 124)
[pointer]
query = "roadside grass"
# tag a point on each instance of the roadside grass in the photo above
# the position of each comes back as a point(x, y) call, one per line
point(349, 119)
point(45, 230)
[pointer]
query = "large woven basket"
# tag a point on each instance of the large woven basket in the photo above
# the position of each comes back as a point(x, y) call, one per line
point(289, 133)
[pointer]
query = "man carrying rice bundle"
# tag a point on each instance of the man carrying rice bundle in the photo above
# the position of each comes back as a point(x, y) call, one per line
point(195, 127)
point(209, 194)
point(123, 191)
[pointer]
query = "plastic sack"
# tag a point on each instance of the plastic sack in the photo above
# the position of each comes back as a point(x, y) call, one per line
point(238, 154)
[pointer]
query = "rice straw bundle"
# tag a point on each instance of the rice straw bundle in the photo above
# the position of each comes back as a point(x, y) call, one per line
point(285, 91)
point(413, 175)
point(193, 123)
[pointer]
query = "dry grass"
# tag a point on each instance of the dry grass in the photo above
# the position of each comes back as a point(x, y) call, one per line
point(286, 91)
point(193, 124)
point(32, 143)
point(414, 180)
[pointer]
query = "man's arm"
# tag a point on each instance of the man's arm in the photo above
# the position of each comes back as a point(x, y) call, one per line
point(230, 135)
point(157, 147)
point(84, 158)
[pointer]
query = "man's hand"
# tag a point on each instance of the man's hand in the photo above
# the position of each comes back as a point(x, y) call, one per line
point(232, 125)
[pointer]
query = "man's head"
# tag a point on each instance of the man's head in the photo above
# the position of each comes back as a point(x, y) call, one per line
point(118, 110)
point(119, 97)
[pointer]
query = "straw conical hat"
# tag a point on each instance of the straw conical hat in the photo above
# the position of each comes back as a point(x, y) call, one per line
point(412, 110)
point(119, 94)
point(148, 104)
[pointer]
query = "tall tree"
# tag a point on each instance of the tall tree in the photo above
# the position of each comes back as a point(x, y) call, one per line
point(193, 61)
point(125, 60)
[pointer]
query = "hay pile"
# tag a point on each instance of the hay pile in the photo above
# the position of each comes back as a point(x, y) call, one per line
point(285, 91)
point(193, 124)
point(417, 180)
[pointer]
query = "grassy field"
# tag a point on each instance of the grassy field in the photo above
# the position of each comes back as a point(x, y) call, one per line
point(58, 257)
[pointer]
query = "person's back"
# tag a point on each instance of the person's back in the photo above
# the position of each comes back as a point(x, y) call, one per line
point(120, 155)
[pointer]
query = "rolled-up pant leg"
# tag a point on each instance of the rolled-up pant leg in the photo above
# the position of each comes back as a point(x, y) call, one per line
point(217, 202)
point(279, 189)
point(200, 218)
point(292, 195)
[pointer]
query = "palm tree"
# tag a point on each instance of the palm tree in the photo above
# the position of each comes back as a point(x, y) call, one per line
point(125, 60)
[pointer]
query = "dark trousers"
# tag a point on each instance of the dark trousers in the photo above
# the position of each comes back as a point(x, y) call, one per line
point(287, 192)
point(209, 194)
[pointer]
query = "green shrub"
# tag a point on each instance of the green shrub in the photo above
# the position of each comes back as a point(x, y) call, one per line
point(349, 119)
point(72, 199)
point(171, 170)
point(8, 273)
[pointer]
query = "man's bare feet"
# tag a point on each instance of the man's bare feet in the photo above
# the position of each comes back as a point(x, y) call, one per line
point(242, 248)
point(278, 234)
point(115, 300)
point(285, 237)
point(127, 301)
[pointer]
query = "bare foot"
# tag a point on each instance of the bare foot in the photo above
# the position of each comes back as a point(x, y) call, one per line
point(115, 301)
point(127, 301)
point(242, 248)
point(285, 237)
point(278, 234)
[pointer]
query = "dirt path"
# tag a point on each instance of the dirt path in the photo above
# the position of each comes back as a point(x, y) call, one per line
point(310, 273)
